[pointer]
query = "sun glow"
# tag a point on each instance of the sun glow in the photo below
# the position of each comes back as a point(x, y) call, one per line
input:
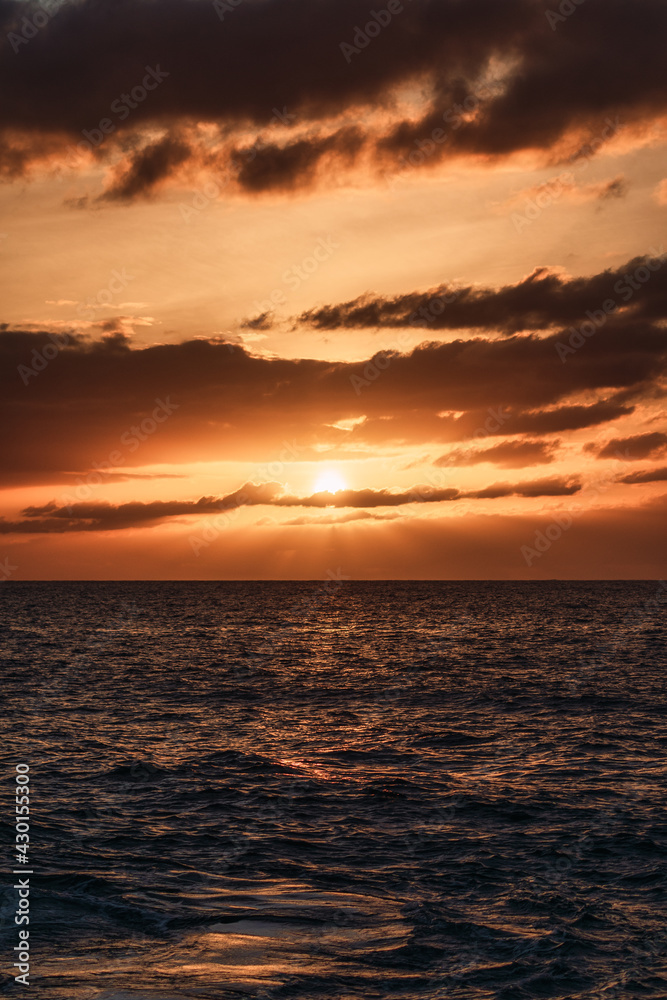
point(329, 481)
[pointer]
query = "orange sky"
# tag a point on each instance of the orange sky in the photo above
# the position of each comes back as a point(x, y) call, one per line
point(301, 312)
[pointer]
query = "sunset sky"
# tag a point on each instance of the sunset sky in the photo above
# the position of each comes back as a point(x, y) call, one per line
point(321, 289)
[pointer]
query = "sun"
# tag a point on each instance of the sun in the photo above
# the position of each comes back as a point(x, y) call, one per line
point(329, 481)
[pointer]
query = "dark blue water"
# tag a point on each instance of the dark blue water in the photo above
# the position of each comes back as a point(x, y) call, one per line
point(373, 790)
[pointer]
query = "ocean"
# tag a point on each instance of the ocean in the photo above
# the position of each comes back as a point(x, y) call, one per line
point(344, 790)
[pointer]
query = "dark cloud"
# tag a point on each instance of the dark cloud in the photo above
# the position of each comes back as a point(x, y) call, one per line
point(373, 498)
point(568, 418)
point(631, 449)
point(620, 543)
point(616, 188)
point(274, 167)
point(542, 300)
point(646, 476)
point(262, 322)
point(147, 168)
point(508, 454)
point(77, 406)
point(96, 516)
point(554, 487)
point(102, 516)
point(604, 63)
